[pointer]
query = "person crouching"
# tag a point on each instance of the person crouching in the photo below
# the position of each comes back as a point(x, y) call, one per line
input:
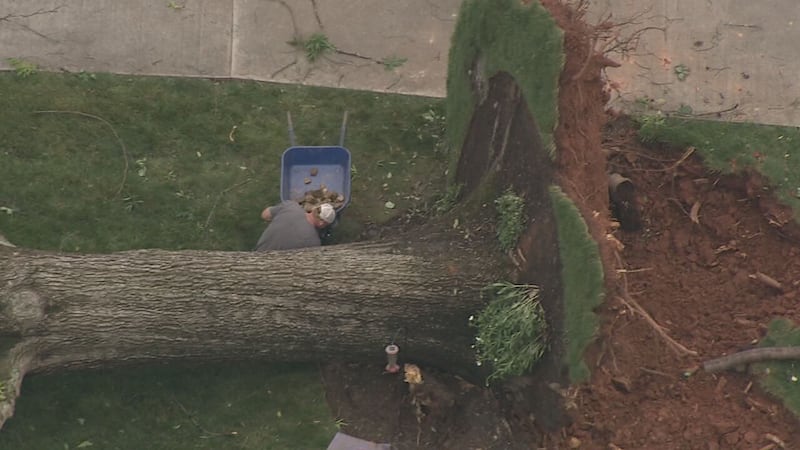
point(290, 226)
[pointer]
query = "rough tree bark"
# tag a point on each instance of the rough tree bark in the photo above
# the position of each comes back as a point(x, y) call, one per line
point(61, 310)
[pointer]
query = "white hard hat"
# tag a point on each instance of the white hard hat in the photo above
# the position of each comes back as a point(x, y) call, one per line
point(327, 212)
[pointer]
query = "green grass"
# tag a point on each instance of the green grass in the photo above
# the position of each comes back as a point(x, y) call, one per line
point(511, 219)
point(731, 147)
point(189, 186)
point(783, 377)
point(521, 40)
point(173, 407)
point(511, 330)
point(582, 278)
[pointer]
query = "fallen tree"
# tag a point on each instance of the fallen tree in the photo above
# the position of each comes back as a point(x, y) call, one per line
point(345, 302)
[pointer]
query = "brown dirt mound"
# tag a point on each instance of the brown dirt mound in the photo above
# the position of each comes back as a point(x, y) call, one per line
point(691, 272)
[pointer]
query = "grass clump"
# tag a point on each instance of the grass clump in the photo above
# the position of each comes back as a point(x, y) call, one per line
point(582, 278)
point(511, 331)
point(782, 378)
point(448, 199)
point(732, 147)
point(22, 68)
point(511, 219)
point(316, 46)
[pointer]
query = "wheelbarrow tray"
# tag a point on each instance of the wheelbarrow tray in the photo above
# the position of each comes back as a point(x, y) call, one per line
point(333, 170)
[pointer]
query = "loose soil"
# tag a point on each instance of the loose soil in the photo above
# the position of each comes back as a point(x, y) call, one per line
point(683, 266)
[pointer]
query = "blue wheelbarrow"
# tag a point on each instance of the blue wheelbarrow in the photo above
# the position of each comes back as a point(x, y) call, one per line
point(309, 168)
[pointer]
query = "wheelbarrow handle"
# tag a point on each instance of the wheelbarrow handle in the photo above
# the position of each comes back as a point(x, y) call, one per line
point(291, 128)
point(344, 128)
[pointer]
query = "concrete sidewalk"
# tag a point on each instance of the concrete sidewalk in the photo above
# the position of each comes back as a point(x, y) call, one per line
point(731, 56)
point(246, 39)
point(738, 58)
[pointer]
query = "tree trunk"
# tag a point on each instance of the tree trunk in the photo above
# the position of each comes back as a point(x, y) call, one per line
point(346, 302)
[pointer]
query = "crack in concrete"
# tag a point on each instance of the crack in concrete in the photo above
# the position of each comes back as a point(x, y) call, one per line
point(13, 18)
point(316, 14)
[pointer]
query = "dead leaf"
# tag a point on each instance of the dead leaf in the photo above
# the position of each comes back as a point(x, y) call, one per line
point(412, 374)
point(694, 214)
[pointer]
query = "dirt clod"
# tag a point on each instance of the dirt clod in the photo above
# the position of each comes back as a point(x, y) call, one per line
point(312, 199)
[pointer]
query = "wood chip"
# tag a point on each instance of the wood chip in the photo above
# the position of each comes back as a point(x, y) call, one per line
point(622, 384)
point(720, 385)
point(767, 281)
point(694, 214)
point(775, 440)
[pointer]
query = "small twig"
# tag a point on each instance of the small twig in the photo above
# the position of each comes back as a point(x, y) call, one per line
point(194, 421)
point(656, 372)
point(114, 131)
point(632, 304)
point(679, 205)
point(219, 197)
point(686, 154)
point(673, 166)
point(751, 356)
point(743, 25)
point(679, 348)
point(643, 269)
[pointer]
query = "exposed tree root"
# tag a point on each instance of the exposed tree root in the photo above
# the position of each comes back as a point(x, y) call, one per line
point(750, 356)
point(14, 365)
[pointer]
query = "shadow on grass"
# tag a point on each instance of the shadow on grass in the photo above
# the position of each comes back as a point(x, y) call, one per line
point(221, 406)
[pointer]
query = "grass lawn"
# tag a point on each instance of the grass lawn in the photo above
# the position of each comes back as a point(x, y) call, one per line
point(193, 181)
point(203, 159)
point(231, 406)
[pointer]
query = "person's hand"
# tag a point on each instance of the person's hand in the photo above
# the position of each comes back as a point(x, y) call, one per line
point(266, 215)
